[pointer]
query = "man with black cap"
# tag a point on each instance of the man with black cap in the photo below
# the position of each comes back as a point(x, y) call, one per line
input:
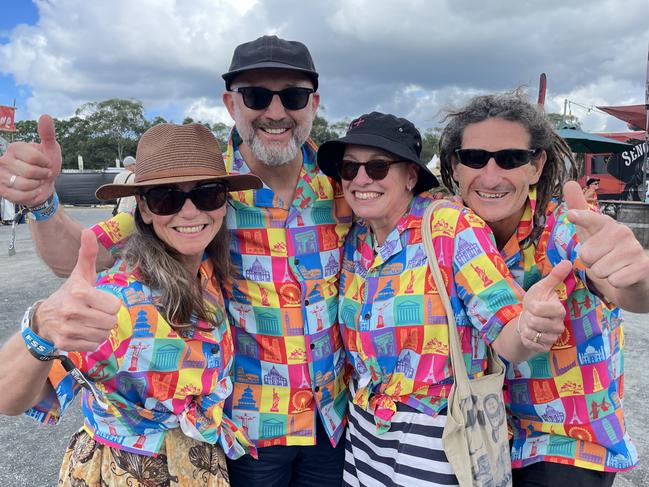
point(590, 190)
point(286, 243)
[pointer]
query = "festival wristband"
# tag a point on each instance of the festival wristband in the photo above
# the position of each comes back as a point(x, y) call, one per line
point(45, 210)
point(40, 348)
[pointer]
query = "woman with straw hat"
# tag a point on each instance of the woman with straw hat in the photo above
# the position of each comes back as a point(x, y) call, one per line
point(154, 359)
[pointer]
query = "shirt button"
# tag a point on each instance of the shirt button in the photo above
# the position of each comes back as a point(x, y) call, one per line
point(312, 346)
point(215, 349)
point(306, 302)
point(367, 316)
point(296, 261)
point(317, 388)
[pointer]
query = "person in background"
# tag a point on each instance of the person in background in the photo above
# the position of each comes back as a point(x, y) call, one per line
point(501, 154)
point(290, 394)
point(155, 340)
point(590, 190)
point(125, 204)
point(394, 324)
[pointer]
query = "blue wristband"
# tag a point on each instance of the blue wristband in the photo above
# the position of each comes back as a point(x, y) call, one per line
point(45, 210)
point(36, 345)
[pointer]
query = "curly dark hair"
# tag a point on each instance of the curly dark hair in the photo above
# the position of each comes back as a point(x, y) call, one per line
point(512, 106)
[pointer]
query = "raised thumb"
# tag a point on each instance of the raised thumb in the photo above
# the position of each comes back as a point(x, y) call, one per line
point(574, 196)
point(87, 260)
point(554, 278)
point(46, 132)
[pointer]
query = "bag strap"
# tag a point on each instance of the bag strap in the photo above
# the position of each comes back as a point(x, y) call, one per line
point(460, 374)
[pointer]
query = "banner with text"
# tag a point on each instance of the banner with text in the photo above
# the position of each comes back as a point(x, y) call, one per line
point(7, 119)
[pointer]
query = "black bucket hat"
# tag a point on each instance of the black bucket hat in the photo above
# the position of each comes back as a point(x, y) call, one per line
point(271, 52)
point(395, 135)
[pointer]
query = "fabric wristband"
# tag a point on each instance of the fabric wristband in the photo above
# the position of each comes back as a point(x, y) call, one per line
point(40, 348)
point(45, 210)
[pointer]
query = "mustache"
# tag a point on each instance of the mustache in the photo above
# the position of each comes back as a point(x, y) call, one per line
point(274, 124)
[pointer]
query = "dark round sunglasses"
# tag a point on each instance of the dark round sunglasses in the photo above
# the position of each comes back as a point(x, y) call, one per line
point(375, 169)
point(167, 200)
point(258, 98)
point(506, 158)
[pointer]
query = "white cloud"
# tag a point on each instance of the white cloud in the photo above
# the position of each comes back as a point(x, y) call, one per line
point(411, 57)
point(204, 109)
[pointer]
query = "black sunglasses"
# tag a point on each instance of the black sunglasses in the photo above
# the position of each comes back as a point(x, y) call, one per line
point(506, 158)
point(167, 200)
point(258, 98)
point(376, 169)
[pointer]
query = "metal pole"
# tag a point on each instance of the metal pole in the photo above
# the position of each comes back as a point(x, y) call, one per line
point(646, 133)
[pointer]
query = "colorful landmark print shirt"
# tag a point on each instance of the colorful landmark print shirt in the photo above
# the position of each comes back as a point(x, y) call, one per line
point(282, 304)
point(566, 404)
point(153, 378)
point(394, 324)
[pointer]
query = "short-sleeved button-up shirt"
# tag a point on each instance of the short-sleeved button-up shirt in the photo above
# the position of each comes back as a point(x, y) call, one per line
point(283, 306)
point(394, 324)
point(282, 303)
point(153, 378)
point(566, 405)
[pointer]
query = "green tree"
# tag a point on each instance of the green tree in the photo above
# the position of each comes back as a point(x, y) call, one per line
point(26, 130)
point(119, 122)
point(321, 132)
point(429, 144)
point(221, 132)
point(156, 120)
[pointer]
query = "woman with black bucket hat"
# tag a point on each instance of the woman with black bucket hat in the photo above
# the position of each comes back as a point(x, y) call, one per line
point(153, 357)
point(393, 322)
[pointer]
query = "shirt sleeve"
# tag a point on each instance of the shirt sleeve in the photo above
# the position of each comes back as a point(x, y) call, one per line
point(113, 234)
point(62, 392)
point(64, 388)
point(480, 282)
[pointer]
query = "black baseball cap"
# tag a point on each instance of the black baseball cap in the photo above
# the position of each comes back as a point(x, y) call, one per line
point(592, 180)
point(392, 134)
point(271, 52)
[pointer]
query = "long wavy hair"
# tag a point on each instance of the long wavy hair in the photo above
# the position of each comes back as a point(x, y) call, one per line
point(158, 266)
point(512, 106)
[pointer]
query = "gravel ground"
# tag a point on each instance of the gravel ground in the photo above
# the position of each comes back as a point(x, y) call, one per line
point(31, 453)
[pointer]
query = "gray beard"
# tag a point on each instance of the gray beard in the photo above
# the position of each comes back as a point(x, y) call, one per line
point(275, 155)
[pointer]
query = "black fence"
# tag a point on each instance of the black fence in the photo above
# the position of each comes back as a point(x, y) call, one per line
point(78, 187)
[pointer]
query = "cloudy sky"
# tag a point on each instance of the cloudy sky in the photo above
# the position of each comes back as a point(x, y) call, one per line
point(408, 57)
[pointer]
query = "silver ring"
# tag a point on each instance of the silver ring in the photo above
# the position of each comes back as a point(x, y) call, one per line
point(12, 181)
point(537, 337)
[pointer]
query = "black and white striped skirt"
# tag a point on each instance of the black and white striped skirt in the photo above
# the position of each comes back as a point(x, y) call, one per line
point(409, 454)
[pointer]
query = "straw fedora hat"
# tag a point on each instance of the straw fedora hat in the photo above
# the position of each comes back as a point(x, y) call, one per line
point(168, 153)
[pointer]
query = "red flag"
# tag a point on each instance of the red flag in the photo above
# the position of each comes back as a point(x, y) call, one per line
point(7, 119)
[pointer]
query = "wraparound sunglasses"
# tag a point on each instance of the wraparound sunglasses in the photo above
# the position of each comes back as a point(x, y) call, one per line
point(506, 158)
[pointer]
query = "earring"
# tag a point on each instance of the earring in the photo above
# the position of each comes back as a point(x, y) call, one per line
point(409, 187)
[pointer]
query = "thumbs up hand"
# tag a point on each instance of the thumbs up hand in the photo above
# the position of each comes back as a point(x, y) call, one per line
point(613, 257)
point(28, 169)
point(541, 321)
point(77, 317)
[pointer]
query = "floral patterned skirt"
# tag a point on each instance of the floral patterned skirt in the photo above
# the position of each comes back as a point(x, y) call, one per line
point(182, 461)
